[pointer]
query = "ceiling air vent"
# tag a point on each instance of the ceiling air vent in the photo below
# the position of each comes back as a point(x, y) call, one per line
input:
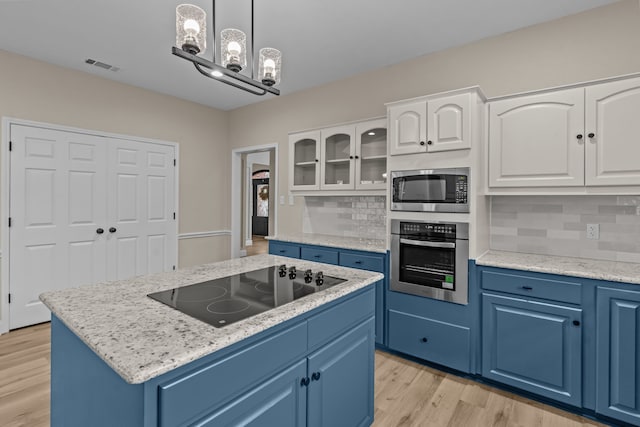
point(101, 65)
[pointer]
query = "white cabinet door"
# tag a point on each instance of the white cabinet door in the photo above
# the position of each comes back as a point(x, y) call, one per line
point(408, 128)
point(141, 228)
point(449, 123)
point(613, 152)
point(85, 209)
point(371, 155)
point(537, 140)
point(337, 156)
point(304, 161)
point(57, 237)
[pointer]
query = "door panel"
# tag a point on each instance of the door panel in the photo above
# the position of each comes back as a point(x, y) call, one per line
point(56, 205)
point(449, 123)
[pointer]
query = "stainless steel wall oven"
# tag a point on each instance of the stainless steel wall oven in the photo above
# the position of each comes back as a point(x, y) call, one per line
point(430, 259)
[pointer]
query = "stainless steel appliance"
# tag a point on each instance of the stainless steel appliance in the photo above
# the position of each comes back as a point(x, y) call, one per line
point(221, 302)
point(430, 190)
point(430, 259)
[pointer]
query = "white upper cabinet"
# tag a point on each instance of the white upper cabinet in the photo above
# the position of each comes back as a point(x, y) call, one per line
point(537, 140)
point(371, 155)
point(449, 123)
point(613, 133)
point(408, 128)
point(567, 138)
point(439, 123)
point(347, 157)
point(304, 165)
point(337, 158)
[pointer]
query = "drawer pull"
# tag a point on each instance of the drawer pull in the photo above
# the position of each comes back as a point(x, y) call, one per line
point(527, 288)
point(317, 256)
point(424, 339)
point(576, 323)
point(282, 251)
point(358, 262)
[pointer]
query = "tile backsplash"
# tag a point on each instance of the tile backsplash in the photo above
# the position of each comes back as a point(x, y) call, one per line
point(357, 216)
point(556, 225)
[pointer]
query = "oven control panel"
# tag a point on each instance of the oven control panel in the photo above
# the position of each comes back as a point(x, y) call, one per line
point(425, 228)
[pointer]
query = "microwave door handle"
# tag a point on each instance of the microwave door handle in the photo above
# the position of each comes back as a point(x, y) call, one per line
point(428, 244)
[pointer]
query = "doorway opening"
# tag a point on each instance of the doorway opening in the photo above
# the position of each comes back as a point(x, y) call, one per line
point(254, 186)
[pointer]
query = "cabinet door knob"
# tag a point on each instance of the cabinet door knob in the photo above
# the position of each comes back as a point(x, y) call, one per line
point(591, 135)
point(316, 160)
point(315, 376)
point(579, 136)
point(112, 230)
point(99, 231)
point(357, 157)
point(424, 339)
point(429, 142)
point(304, 382)
point(351, 157)
point(576, 323)
point(421, 142)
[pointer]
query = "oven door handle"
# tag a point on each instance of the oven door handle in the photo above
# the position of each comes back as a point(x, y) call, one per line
point(428, 244)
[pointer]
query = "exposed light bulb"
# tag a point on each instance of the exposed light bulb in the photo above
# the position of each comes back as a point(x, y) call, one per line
point(234, 48)
point(191, 26)
point(269, 65)
point(372, 133)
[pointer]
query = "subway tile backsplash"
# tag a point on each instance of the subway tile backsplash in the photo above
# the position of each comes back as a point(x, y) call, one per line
point(556, 225)
point(357, 216)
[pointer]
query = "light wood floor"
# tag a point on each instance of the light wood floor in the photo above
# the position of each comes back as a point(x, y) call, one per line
point(407, 393)
point(260, 246)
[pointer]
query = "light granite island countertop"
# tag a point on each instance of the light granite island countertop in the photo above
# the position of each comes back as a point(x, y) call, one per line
point(343, 242)
point(140, 338)
point(614, 271)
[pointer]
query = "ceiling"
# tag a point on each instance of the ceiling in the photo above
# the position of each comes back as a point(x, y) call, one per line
point(321, 40)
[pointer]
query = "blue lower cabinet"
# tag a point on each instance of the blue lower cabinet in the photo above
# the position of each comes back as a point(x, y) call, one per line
point(326, 256)
point(338, 375)
point(534, 346)
point(433, 340)
point(284, 249)
point(281, 401)
point(618, 354)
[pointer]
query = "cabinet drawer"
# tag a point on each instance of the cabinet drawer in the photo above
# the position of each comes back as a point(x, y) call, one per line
point(340, 318)
point(192, 395)
point(283, 249)
point(537, 287)
point(319, 255)
point(431, 340)
point(363, 262)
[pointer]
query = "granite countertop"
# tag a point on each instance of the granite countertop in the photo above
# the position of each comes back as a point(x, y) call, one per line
point(614, 271)
point(141, 338)
point(355, 243)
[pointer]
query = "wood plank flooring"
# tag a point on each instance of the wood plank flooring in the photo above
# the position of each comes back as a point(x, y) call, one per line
point(407, 393)
point(260, 246)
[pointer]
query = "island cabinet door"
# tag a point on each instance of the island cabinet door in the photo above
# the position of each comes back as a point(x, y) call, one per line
point(281, 401)
point(534, 346)
point(340, 390)
point(618, 357)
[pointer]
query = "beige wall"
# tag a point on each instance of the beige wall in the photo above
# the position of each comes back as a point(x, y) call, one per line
point(37, 91)
point(599, 43)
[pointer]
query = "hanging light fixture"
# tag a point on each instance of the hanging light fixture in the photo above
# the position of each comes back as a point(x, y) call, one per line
point(191, 42)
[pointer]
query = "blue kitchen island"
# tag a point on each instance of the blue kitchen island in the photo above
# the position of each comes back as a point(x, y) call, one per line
point(121, 358)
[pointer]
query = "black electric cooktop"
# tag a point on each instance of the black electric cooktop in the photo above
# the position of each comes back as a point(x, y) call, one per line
point(221, 302)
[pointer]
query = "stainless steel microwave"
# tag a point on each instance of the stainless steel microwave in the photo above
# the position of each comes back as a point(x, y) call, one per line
point(430, 190)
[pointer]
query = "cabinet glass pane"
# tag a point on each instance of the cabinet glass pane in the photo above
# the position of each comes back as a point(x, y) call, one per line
point(304, 168)
point(373, 156)
point(338, 147)
point(337, 173)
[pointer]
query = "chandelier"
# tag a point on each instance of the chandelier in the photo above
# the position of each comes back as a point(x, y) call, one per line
point(191, 42)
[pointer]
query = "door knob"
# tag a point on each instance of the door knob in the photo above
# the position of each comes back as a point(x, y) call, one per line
point(579, 136)
point(591, 135)
point(112, 230)
point(99, 231)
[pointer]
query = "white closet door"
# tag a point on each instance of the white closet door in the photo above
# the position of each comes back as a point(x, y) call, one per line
point(57, 204)
point(141, 188)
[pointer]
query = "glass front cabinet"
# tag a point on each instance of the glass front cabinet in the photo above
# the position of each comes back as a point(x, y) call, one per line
point(304, 151)
point(348, 157)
